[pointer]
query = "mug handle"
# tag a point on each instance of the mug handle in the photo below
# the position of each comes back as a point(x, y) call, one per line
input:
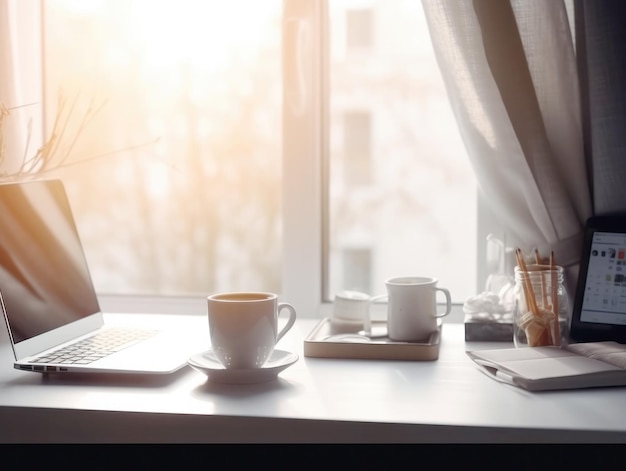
point(448, 302)
point(290, 322)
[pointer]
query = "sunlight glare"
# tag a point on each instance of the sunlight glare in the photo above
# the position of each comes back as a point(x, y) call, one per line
point(201, 33)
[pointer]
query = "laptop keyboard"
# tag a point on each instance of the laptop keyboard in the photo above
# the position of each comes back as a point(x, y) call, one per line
point(95, 347)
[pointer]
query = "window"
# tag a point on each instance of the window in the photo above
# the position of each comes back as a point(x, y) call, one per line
point(229, 151)
point(184, 193)
point(417, 214)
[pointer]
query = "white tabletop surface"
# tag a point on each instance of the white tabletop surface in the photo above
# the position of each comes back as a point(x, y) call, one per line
point(314, 400)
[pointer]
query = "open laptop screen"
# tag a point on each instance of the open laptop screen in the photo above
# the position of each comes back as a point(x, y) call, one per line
point(44, 279)
point(600, 303)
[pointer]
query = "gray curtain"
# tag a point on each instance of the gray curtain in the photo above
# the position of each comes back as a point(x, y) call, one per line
point(601, 43)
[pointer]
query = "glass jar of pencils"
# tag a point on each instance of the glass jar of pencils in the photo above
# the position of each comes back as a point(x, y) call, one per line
point(540, 312)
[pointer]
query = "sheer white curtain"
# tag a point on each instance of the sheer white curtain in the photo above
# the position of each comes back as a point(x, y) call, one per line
point(20, 82)
point(511, 75)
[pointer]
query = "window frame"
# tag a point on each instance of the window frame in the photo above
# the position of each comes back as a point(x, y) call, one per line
point(305, 150)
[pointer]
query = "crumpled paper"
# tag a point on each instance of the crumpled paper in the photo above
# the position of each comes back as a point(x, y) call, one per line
point(488, 306)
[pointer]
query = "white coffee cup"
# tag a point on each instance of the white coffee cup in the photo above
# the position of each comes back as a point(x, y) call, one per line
point(244, 327)
point(412, 307)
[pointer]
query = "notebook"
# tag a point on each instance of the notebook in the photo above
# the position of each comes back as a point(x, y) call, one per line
point(599, 311)
point(49, 301)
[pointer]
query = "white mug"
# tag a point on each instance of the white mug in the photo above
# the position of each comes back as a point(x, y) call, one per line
point(412, 307)
point(244, 327)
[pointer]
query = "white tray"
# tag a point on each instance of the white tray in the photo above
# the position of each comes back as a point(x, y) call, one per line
point(330, 339)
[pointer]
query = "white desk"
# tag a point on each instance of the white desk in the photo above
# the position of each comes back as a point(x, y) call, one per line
point(315, 400)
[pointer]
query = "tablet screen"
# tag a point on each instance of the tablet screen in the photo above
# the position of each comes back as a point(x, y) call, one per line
point(604, 300)
point(600, 301)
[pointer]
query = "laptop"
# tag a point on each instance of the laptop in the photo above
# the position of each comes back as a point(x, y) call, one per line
point(49, 302)
point(599, 311)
